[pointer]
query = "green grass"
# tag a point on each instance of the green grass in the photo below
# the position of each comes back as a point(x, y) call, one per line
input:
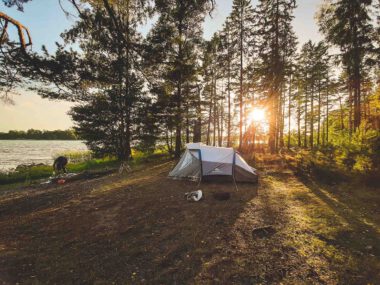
point(330, 168)
point(28, 175)
point(81, 162)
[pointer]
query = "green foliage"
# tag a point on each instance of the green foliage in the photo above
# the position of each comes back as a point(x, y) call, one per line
point(25, 175)
point(347, 24)
point(28, 174)
point(319, 166)
point(75, 156)
point(363, 164)
point(172, 61)
point(173, 86)
point(78, 162)
point(276, 48)
point(32, 134)
point(342, 159)
point(106, 117)
point(18, 3)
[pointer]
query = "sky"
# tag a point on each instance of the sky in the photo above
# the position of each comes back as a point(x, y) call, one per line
point(46, 21)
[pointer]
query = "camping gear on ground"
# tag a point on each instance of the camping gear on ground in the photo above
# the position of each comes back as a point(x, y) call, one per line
point(222, 196)
point(201, 162)
point(194, 195)
point(85, 175)
point(124, 166)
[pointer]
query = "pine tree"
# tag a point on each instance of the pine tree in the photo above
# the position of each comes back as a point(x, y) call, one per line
point(314, 66)
point(347, 24)
point(276, 45)
point(172, 55)
point(240, 26)
point(226, 61)
point(104, 77)
point(114, 68)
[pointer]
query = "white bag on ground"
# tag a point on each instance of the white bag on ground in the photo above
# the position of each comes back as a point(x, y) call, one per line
point(194, 195)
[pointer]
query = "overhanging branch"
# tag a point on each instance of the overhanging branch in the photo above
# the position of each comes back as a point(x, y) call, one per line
point(21, 29)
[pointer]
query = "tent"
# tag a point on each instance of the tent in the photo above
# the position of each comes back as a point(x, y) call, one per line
point(202, 162)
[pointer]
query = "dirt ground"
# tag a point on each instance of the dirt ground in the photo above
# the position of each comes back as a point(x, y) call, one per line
point(139, 229)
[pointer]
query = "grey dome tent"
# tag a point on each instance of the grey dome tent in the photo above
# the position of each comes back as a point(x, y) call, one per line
point(202, 162)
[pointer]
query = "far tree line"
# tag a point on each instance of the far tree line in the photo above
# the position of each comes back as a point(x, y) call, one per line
point(172, 86)
point(32, 134)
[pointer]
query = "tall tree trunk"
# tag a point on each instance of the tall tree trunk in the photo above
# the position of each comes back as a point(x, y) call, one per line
point(209, 122)
point(319, 113)
point(228, 88)
point(275, 92)
point(357, 100)
point(341, 114)
point(299, 120)
point(127, 100)
point(356, 73)
point(198, 123)
point(169, 142)
point(350, 102)
point(272, 123)
point(221, 121)
point(241, 81)
point(305, 130)
point(178, 135)
point(187, 125)
point(215, 115)
point(282, 125)
point(289, 108)
point(312, 117)
point(327, 111)
point(198, 133)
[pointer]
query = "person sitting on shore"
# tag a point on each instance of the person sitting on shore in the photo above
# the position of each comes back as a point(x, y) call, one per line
point(59, 164)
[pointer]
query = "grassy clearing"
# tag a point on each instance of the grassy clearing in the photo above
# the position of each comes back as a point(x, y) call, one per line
point(137, 228)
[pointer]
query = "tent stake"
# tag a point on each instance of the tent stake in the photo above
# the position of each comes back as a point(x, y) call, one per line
point(233, 170)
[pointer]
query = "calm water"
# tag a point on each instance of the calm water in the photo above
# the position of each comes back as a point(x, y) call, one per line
point(16, 152)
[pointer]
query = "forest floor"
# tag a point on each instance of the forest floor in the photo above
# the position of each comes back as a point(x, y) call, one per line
point(139, 229)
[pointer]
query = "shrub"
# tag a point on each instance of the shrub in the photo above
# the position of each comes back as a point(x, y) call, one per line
point(363, 163)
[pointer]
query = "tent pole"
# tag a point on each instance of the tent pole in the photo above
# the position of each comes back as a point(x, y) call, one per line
point(200, 178)
point(233, 171)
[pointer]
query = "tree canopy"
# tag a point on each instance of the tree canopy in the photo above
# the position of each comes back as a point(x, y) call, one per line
point(172, 86)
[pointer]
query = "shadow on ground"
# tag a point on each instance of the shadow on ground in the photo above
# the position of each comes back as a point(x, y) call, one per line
point(140, 229)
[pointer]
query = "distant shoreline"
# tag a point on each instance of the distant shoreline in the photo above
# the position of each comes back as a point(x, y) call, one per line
point(32, 134)
point(36, 151)
point(41, 139)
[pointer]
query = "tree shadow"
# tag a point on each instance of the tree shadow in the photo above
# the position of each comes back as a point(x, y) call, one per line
point(361, 239)
point(144, 231)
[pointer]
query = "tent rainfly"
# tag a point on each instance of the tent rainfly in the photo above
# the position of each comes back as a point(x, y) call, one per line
point(202, 162)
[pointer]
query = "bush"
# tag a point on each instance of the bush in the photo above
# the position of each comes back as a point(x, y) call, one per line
point(363, 163)
point(26, 174)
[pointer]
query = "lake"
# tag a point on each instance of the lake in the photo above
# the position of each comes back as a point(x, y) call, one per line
point(16, 152)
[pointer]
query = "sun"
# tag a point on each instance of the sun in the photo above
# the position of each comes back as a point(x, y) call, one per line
point(257, 115)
